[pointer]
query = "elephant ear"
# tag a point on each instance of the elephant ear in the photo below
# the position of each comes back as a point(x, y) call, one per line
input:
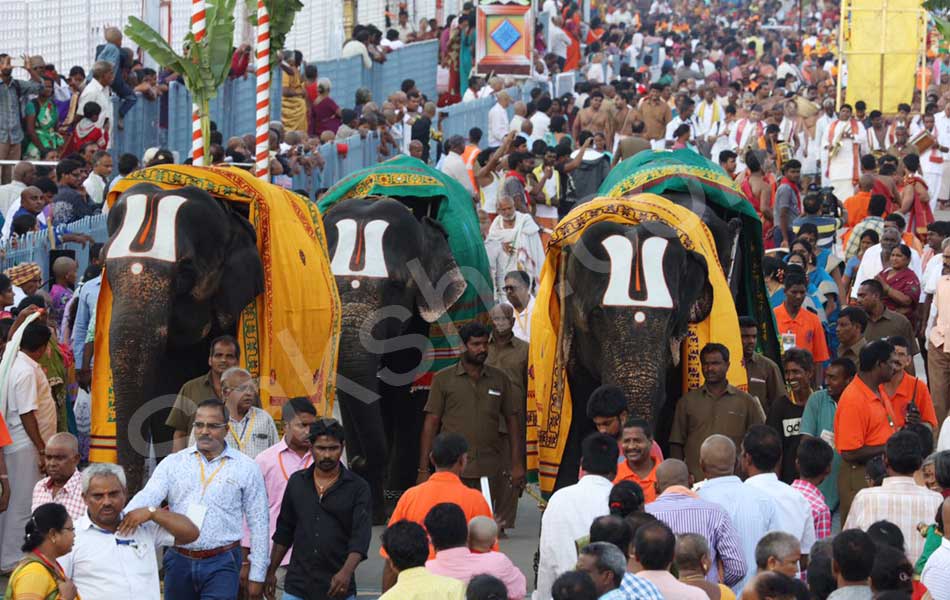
point(438, 279)
point(699, 299)
point(242, 273)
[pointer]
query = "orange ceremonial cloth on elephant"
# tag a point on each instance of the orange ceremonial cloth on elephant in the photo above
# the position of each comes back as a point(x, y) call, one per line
point(549, 394)
point(289, 335)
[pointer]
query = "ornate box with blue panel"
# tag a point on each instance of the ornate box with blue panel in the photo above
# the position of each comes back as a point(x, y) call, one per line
point(504, 41)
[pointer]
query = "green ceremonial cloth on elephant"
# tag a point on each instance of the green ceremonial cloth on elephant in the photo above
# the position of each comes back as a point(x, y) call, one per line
point(404, 177)
point(680, 171)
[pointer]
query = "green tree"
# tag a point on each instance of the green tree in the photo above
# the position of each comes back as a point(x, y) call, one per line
point(204, 65)
point(282, 14)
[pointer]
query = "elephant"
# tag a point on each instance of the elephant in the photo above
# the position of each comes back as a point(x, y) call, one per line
point(181, 266)
point(631, 292)
point(396, 274)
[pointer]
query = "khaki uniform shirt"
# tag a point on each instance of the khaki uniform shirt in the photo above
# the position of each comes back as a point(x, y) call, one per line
point(182, 414)
point(511, 358)
point(475, 409)
point(852, 352)
point(699, 414)
point(891, 323)
point(766, 383)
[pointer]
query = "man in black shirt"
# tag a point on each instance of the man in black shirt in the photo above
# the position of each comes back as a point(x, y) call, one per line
point(326, 517)
point(786, 414)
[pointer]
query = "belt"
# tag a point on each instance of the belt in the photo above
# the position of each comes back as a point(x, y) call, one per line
point(200, 554)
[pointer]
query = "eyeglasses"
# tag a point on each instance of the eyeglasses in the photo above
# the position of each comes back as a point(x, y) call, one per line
point(211, 426)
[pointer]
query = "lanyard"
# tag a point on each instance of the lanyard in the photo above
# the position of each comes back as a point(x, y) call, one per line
point(280, 460)
point(249, 426)
point(206, 482)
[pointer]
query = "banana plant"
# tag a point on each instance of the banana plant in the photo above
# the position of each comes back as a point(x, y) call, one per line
point(203, 66)
point(939, 10)
point(282, 14)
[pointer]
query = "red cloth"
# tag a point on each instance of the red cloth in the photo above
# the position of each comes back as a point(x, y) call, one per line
point(573, 54)
point(323, 117)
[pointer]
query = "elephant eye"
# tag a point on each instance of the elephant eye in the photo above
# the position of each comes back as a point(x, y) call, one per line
point(623, 268)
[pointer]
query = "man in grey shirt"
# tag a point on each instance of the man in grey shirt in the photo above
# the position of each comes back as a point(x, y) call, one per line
point(787, 203)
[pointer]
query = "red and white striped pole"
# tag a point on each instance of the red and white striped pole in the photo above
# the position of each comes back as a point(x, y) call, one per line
point(262, 150)
point(199, 30)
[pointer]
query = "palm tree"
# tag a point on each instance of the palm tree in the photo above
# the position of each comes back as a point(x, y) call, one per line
point(204, 64)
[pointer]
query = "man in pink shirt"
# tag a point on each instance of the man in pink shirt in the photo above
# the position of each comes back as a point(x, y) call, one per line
point(453, 558)
point(279, 462)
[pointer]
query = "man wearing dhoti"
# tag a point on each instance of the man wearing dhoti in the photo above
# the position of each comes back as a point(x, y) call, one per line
point(747, 135)
point(931, 160)
point(845, 143)
point(513, 243)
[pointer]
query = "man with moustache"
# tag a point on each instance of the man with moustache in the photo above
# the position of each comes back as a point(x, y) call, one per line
point(111, 557)
point(326, 515)
point(280, 461)
point(63, 483)
point(219, 489)
point(473, 399)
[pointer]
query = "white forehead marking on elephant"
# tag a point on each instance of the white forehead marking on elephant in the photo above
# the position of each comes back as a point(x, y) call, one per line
point(355, 284)
point(136, 268)
point(164, 237)
point(639, 317)
point(620, 250)
point(355, 246)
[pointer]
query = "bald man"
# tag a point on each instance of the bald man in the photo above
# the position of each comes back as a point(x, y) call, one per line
point(750, 510)
point(678, 507)
point(509, 354)
point(692, 563)
point(63, 484)
point(482, 534)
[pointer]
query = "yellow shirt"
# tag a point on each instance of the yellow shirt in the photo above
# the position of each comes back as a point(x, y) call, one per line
point(32, 582)
point(419, 584)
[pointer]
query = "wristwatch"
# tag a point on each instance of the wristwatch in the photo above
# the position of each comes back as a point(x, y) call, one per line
point(151, 511)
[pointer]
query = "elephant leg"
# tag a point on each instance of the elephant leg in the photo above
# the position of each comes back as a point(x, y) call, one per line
point(366, 420)
point(407, 433)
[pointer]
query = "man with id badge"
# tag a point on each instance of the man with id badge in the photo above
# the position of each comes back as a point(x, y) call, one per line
point(472, 399)
point(218, 488)
point(111, 558)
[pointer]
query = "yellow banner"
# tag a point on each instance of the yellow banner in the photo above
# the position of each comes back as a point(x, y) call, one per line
point(883, 40)
point(289, 335)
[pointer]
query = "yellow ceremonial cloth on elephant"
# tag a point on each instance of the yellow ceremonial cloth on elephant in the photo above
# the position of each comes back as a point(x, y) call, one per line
point(289, 335)
point(549, 394)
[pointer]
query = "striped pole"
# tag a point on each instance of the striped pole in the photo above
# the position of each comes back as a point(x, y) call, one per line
point(262, 151)
point(199, 30)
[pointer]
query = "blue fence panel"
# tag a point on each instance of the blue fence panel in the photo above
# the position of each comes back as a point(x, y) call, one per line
point(35, 246)
point(141, 129)
point(346, 76)
point(179, 120)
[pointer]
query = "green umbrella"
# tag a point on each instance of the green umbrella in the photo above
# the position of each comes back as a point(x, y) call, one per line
point(432, 193)
point(684, 172)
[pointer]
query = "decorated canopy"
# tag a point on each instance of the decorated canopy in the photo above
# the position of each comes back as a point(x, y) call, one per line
point(289, 335)
point(444, 199)
point(684, 172)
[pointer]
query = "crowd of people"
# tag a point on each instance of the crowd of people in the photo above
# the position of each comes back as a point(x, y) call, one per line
point(824, 477)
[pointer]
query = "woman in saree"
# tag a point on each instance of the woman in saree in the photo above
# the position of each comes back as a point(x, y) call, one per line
point(446, 34)
point(49, 535)
point(293, 110)
point(901, 285)
point(915, 198)
point(466, 46)
point(450, 59)
point(41, 122)
point(325, 114)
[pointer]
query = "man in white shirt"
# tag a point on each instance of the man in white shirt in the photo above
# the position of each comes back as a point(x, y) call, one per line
point(761, 453)
point(873, 261)
point(392, 40)
point(95, 183)
point(23, 175)
point(404, 27)
point(558, 41)
point(518, 291)
point(685, 117)
point(572, 509)
point(899, 499)
point(936, 573)
point(28, 414)
point(498, 125)
point(99, 90)
point(453, 164)
point(357, 47)
point(520, 116)
point(113, 554)
point(540, 120)
point(550, 7)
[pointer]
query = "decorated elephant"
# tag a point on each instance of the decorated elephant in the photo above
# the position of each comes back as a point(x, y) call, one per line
point(391, 270)
point(411, 268)
point(630, 291)
point(191, 253)
point(181, 266)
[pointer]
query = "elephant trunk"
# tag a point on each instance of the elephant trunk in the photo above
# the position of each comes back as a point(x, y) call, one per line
point(358, 395)
point(138, 332)
point(641, 376)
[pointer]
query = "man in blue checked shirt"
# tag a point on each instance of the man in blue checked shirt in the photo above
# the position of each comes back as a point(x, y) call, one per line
point(218, 488)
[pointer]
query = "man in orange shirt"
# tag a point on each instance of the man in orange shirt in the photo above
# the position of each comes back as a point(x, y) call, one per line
point(639, 466)
point(857, 205)
point(449, 456)
point(864, 420)
point(798, 327)
point(909, 397)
